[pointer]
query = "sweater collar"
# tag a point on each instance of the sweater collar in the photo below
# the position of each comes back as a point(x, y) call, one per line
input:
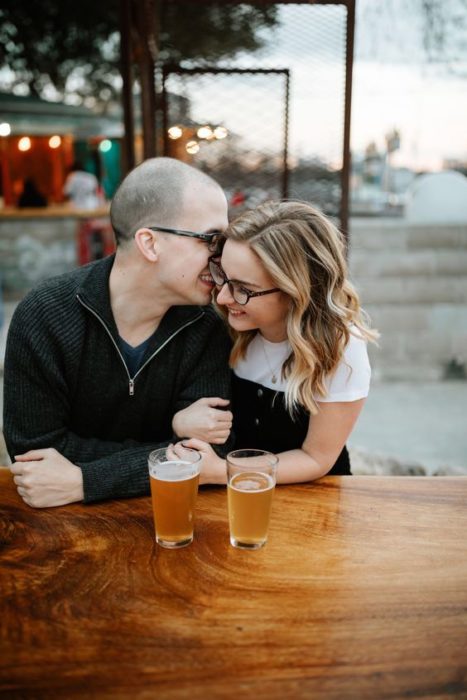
point(94, 294)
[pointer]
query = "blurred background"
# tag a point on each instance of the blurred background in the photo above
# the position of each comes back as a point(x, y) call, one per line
point(358, 107)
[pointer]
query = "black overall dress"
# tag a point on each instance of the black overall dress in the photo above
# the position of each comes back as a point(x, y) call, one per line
point(261, 421)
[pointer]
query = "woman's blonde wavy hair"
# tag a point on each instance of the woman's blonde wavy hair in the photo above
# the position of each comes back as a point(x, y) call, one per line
point(304, 253)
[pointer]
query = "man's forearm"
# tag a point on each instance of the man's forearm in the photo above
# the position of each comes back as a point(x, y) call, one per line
point(70, 445)
point(120, 475)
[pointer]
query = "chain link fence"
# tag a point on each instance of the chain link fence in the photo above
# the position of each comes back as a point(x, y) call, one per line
point(266, 121)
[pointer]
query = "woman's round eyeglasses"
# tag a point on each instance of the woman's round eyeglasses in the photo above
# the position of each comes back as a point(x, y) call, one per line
point(238, 292)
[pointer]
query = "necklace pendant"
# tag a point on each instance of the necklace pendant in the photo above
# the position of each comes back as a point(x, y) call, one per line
point(273, 379)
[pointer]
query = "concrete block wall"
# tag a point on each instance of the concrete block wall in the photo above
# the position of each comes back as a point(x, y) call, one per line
point(413, 283)
point(38, 244)
point(32, 249)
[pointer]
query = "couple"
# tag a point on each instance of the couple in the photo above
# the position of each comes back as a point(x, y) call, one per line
point(125, 355)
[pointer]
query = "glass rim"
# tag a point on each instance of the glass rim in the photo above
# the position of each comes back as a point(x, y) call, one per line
point(152, 458)
point(245, 452)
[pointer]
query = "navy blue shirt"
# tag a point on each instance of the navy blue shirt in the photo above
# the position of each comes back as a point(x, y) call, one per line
point(133, 356)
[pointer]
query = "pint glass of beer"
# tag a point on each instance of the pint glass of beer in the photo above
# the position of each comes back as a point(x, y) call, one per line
point(174, 477)
point(251, 477)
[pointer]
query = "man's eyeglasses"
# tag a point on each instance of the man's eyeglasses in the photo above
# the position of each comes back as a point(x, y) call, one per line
point(238, 292)
point(213, 240)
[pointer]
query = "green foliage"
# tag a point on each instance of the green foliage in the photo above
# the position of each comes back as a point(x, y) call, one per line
point(48, 44)
point(206, 32)
point(70, 48)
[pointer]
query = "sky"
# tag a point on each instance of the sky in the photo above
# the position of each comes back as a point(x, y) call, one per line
point(429, 110)
point(394, 84)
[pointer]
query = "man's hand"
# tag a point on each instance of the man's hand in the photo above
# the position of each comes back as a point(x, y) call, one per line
point(44, 478)
point(202, 420)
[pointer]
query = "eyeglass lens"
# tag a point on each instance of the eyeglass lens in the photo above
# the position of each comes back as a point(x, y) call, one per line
point(215, 244)
point(238, 293)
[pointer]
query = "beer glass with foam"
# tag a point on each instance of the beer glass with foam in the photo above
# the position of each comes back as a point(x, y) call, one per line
point(251, 477)
point(174, 477)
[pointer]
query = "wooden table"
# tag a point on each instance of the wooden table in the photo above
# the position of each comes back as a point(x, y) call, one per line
point(361, 592)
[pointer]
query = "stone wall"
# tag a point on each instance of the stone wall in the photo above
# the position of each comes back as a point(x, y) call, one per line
point(35, 245)
point(413, 283)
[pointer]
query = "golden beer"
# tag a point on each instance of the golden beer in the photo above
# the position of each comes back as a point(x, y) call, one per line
point(249, 500)
point(173, 505)
point(174, 488)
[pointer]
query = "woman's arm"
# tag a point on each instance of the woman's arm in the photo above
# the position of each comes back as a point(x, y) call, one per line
point(327, 434)
point(328, 431)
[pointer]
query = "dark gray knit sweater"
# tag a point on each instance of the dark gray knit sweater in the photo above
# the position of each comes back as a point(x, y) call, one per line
point(67, 386)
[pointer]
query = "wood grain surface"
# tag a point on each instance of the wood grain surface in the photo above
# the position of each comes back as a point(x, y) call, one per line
point(361, 592)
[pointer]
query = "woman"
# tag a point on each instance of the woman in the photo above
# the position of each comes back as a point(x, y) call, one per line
point(299, 357)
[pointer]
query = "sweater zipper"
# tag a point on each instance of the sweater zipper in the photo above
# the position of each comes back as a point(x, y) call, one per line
point(185, 325)
point(131, 380)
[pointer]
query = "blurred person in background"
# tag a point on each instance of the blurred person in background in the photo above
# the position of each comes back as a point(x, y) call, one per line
point(82, 188)
point(31, 196)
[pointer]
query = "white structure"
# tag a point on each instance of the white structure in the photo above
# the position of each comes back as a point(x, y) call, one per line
point(438, 198)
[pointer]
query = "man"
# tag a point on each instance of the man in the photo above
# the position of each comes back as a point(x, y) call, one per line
point(99, 360)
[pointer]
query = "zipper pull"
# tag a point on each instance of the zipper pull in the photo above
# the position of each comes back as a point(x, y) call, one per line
point(132, 387)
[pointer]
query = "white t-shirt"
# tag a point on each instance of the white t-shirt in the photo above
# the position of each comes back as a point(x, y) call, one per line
point(82, 189)
point(350, 381)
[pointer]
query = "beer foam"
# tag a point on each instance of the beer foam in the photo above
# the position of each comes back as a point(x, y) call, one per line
point(251, 483)
point(174, 471)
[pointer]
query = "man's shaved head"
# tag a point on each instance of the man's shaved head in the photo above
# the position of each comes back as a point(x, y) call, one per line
point(152, 194)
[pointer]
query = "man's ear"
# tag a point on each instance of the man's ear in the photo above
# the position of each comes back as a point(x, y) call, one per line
point(147, 243)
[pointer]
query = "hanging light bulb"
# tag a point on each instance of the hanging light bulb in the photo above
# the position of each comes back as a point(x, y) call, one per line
point(204, 132)
point(105, 145)
point(24, 144)
point(220, 132)
point(175, 132)
point(55, 141)
point(192, 147)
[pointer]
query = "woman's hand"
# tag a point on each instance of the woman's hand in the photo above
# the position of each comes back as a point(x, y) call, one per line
point(203, 421)
point(213, 469)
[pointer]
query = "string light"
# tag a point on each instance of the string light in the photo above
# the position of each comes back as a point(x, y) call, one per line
point(175, 132)
point(192, 147)
point(204, 132)
point(24, 144)
point(55, 141)
point(105, 145)
point(220, 132)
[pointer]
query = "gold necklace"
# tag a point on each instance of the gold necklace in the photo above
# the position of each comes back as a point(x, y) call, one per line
point(273, 372)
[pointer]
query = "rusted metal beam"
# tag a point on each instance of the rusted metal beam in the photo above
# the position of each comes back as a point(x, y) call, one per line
point(146, 56)
point(148, 107)
point(285, 167)
point(346, 156)
point(128, 144)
